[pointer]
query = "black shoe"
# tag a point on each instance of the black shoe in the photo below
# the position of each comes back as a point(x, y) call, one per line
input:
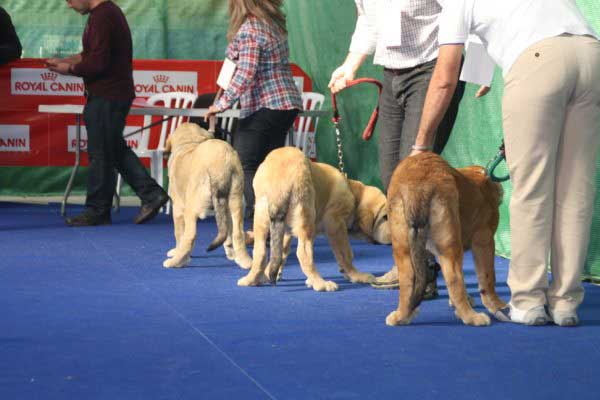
point(89, 218)
point(149, 210)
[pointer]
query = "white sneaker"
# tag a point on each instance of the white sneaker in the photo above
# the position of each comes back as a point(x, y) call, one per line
point(564, 318)
point(534, 316)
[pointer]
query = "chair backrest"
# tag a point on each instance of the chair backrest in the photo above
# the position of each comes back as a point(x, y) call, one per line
point(171, 100)
point(227, 123)
point(310, 101)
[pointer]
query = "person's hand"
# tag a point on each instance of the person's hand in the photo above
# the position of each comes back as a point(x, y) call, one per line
point(52, 61)
point(60, 67)
point(340, 77)
point(483, 90)
point(212, 111)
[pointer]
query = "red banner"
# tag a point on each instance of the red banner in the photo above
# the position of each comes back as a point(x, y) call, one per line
point(31, 138)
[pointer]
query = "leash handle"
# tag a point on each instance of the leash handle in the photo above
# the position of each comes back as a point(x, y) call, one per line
point(368, 132)
point(500, 156)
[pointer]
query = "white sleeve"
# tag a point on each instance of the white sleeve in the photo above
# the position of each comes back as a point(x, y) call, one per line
point(364, 38)
point(455, 22)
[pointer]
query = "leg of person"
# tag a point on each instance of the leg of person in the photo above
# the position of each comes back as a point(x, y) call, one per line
point(280, 123)
point(131, 168)
point(575, 185)
point(416, 84)
point(391, 119)
point(253, 140)
point(101, 174)
point(537, 90)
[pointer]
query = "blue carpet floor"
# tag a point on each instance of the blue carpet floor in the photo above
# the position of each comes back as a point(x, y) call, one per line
point(90, 313)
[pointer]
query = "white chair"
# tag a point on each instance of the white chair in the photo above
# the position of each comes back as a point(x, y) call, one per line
point(303, 136)
point(171, 100)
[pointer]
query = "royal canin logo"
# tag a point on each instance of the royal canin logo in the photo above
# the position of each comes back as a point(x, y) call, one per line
point(49, 76)
point(161, 78)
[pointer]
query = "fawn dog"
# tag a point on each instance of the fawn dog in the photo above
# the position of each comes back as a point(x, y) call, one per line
point(308, 198)
point(205, 173)
point(446, 211)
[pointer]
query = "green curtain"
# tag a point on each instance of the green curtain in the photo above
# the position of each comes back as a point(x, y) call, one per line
point(319, 36)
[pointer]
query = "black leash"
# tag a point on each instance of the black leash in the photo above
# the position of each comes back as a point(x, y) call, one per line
point(148, 126)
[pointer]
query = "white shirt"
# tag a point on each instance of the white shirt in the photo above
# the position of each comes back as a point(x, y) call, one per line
point(508, 27)
point(416, 21)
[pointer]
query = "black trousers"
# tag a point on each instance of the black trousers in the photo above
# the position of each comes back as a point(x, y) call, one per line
point(256, 136)
point(108, 152)
point(400, 108)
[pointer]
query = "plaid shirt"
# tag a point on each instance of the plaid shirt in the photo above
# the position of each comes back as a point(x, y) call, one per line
point(263, 77)
point(418, 21)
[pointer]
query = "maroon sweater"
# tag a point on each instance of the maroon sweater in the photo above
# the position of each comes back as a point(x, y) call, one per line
point(106, 66)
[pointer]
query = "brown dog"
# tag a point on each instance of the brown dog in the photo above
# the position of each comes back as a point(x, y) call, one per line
point(205, 173)
point(308, 198)
point(432, 205)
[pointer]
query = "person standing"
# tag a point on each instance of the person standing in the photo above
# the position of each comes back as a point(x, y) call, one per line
point(106, 66)
point(263, 83)
point(10, 46)
point(550, 59)
point(404, 39)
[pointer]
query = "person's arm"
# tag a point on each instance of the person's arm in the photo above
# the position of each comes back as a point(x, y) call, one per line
point(363, 44)
point(439, 94)
point(63, 65)
point(10, 46)
point(245, 72)
point(98, 55)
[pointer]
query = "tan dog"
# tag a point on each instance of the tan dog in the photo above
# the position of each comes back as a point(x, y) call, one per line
point(308, 198)
point(205, 173)
point(433, 206)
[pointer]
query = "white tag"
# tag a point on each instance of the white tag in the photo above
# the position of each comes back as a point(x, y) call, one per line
point(478, 67)
point(226, 74)
point(392, 29)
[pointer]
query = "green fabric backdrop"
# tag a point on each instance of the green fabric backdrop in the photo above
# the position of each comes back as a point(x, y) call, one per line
point(319, 36)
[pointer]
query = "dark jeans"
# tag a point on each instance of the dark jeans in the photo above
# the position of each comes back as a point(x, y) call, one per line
point(256, 136)
point(400, 107)
point(108, 151)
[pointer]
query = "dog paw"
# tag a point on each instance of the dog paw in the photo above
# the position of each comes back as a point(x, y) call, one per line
point(477, 319)
point(249, 280)
point(470, 299)
point(325, 286)
point(244, 262)
point(171, 252)
point(395, 318)
point(229, 252)
point(361, 277)
point(177, 262)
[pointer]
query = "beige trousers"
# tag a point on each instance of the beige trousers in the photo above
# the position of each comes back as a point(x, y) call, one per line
point(551, 119)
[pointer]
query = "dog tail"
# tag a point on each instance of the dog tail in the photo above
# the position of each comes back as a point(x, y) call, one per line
point(221, 206)
point(277, 213)
point(416, 211)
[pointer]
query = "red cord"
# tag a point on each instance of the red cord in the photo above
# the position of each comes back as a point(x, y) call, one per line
point(368, 132)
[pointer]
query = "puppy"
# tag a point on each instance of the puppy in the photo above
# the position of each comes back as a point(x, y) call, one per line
point(291, 192)
point(446, 211)
point(205, 173)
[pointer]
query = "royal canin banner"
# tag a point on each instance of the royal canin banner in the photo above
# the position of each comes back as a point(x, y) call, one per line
point(31, 138)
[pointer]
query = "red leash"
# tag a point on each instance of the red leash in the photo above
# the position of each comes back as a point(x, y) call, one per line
point(373, 120)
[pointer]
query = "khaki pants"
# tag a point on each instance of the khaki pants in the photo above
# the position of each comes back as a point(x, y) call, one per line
point(551, 118)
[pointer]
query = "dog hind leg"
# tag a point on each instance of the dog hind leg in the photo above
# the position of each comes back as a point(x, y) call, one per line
point(181, 258)
point(483, 254)
point(261, 224)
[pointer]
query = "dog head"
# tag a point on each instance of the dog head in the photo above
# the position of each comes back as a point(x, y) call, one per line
point(184, 134)
point(371, 217)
